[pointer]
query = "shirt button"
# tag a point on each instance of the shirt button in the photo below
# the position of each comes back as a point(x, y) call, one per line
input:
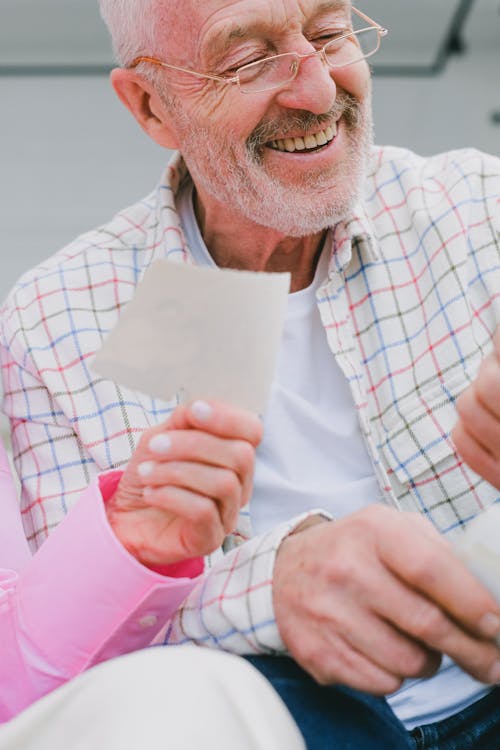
point(148, 621)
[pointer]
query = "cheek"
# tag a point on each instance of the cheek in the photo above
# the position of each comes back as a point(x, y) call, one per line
point(224, 111)
point(209, 105)
point(217, 104)
point(355, 80)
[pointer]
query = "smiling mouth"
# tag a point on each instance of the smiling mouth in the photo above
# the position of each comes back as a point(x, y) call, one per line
point(307, 142)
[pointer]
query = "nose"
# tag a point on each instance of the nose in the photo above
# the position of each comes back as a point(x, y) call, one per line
point(313, 88)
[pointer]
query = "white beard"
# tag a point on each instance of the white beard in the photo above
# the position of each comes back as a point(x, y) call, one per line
point(240, 181)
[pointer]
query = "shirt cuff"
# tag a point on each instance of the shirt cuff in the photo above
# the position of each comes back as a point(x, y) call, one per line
point(232, 607)
point(86, 598)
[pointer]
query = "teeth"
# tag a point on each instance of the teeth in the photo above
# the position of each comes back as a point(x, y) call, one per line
point(307, 142)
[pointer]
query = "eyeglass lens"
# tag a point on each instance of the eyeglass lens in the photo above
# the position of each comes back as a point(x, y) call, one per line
point(275, 71)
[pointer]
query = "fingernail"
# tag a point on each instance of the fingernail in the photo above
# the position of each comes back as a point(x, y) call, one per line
point(201, 410)
point(160, 443)
point(146, 468)
point(495, 672)
point(490, 625)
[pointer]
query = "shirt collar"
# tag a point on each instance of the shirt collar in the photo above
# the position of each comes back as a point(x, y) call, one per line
point(355, 231)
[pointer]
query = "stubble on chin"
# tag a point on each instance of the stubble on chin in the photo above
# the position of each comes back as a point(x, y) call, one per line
point(242, 181)
point(325, 196)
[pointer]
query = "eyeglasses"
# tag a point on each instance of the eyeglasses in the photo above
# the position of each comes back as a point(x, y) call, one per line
point(278, 70)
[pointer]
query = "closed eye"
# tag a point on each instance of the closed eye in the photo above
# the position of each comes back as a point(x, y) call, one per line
point(234, 69)
point(329, 36)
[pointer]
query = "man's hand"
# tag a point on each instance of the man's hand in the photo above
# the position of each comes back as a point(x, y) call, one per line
point(477, 434)
point(378, 597)
point(186, 482)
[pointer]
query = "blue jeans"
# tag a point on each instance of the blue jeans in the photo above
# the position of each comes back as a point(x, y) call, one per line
point(339, 718)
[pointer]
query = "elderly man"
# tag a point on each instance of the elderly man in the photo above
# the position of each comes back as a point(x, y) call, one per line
point(395, 265)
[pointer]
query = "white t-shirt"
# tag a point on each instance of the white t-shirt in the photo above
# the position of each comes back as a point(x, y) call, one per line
point(314, 456)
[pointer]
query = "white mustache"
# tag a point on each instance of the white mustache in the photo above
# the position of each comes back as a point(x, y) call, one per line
point(345, 106)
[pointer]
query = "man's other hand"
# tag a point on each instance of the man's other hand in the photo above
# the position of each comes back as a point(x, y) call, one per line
point(377, 597)
point(477, 433)
point(186, 482)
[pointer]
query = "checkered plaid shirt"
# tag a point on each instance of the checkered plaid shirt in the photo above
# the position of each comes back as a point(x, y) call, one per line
point(409, 307)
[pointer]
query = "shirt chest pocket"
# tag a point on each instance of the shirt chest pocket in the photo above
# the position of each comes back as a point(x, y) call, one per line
point(424, 470)
point(418, 437)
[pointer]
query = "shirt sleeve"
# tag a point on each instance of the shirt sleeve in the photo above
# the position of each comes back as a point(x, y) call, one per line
point(66, 428)
point(81, 599)
point(232, 607)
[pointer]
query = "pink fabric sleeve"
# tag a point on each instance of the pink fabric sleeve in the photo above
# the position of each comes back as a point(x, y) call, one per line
point(14, 549)
point(80, 600)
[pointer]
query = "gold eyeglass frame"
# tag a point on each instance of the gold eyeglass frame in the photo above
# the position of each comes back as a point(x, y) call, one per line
point(294, 67)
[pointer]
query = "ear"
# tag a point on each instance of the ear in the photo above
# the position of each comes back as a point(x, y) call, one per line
point(142, 100)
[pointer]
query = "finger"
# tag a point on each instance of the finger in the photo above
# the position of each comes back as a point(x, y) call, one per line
point(330, 659)
point(435, 572)
point(475, 456)
point(496, 342)
point(426, 622)
point(198, 524)
point(379, 641)
point(479, 422)
point(219, 419)
point(201, 447)
point(427, 528)
point(487, 384)
point(222, 486)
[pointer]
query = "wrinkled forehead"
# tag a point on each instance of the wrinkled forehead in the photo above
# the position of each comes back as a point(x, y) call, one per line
point(198, 23)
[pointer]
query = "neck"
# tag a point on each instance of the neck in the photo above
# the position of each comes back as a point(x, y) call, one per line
point(236, 242)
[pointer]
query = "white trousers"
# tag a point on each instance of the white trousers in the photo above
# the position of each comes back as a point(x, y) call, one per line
point(182, 698)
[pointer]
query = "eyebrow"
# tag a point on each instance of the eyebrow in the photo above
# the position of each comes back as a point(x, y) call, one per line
point(334, 5)
point(224, 39)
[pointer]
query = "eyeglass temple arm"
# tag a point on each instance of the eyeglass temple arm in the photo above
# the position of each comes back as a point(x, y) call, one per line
point(382, 31)
point(160, 63)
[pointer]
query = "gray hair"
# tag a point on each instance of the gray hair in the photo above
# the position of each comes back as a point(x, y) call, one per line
point(131, 27)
